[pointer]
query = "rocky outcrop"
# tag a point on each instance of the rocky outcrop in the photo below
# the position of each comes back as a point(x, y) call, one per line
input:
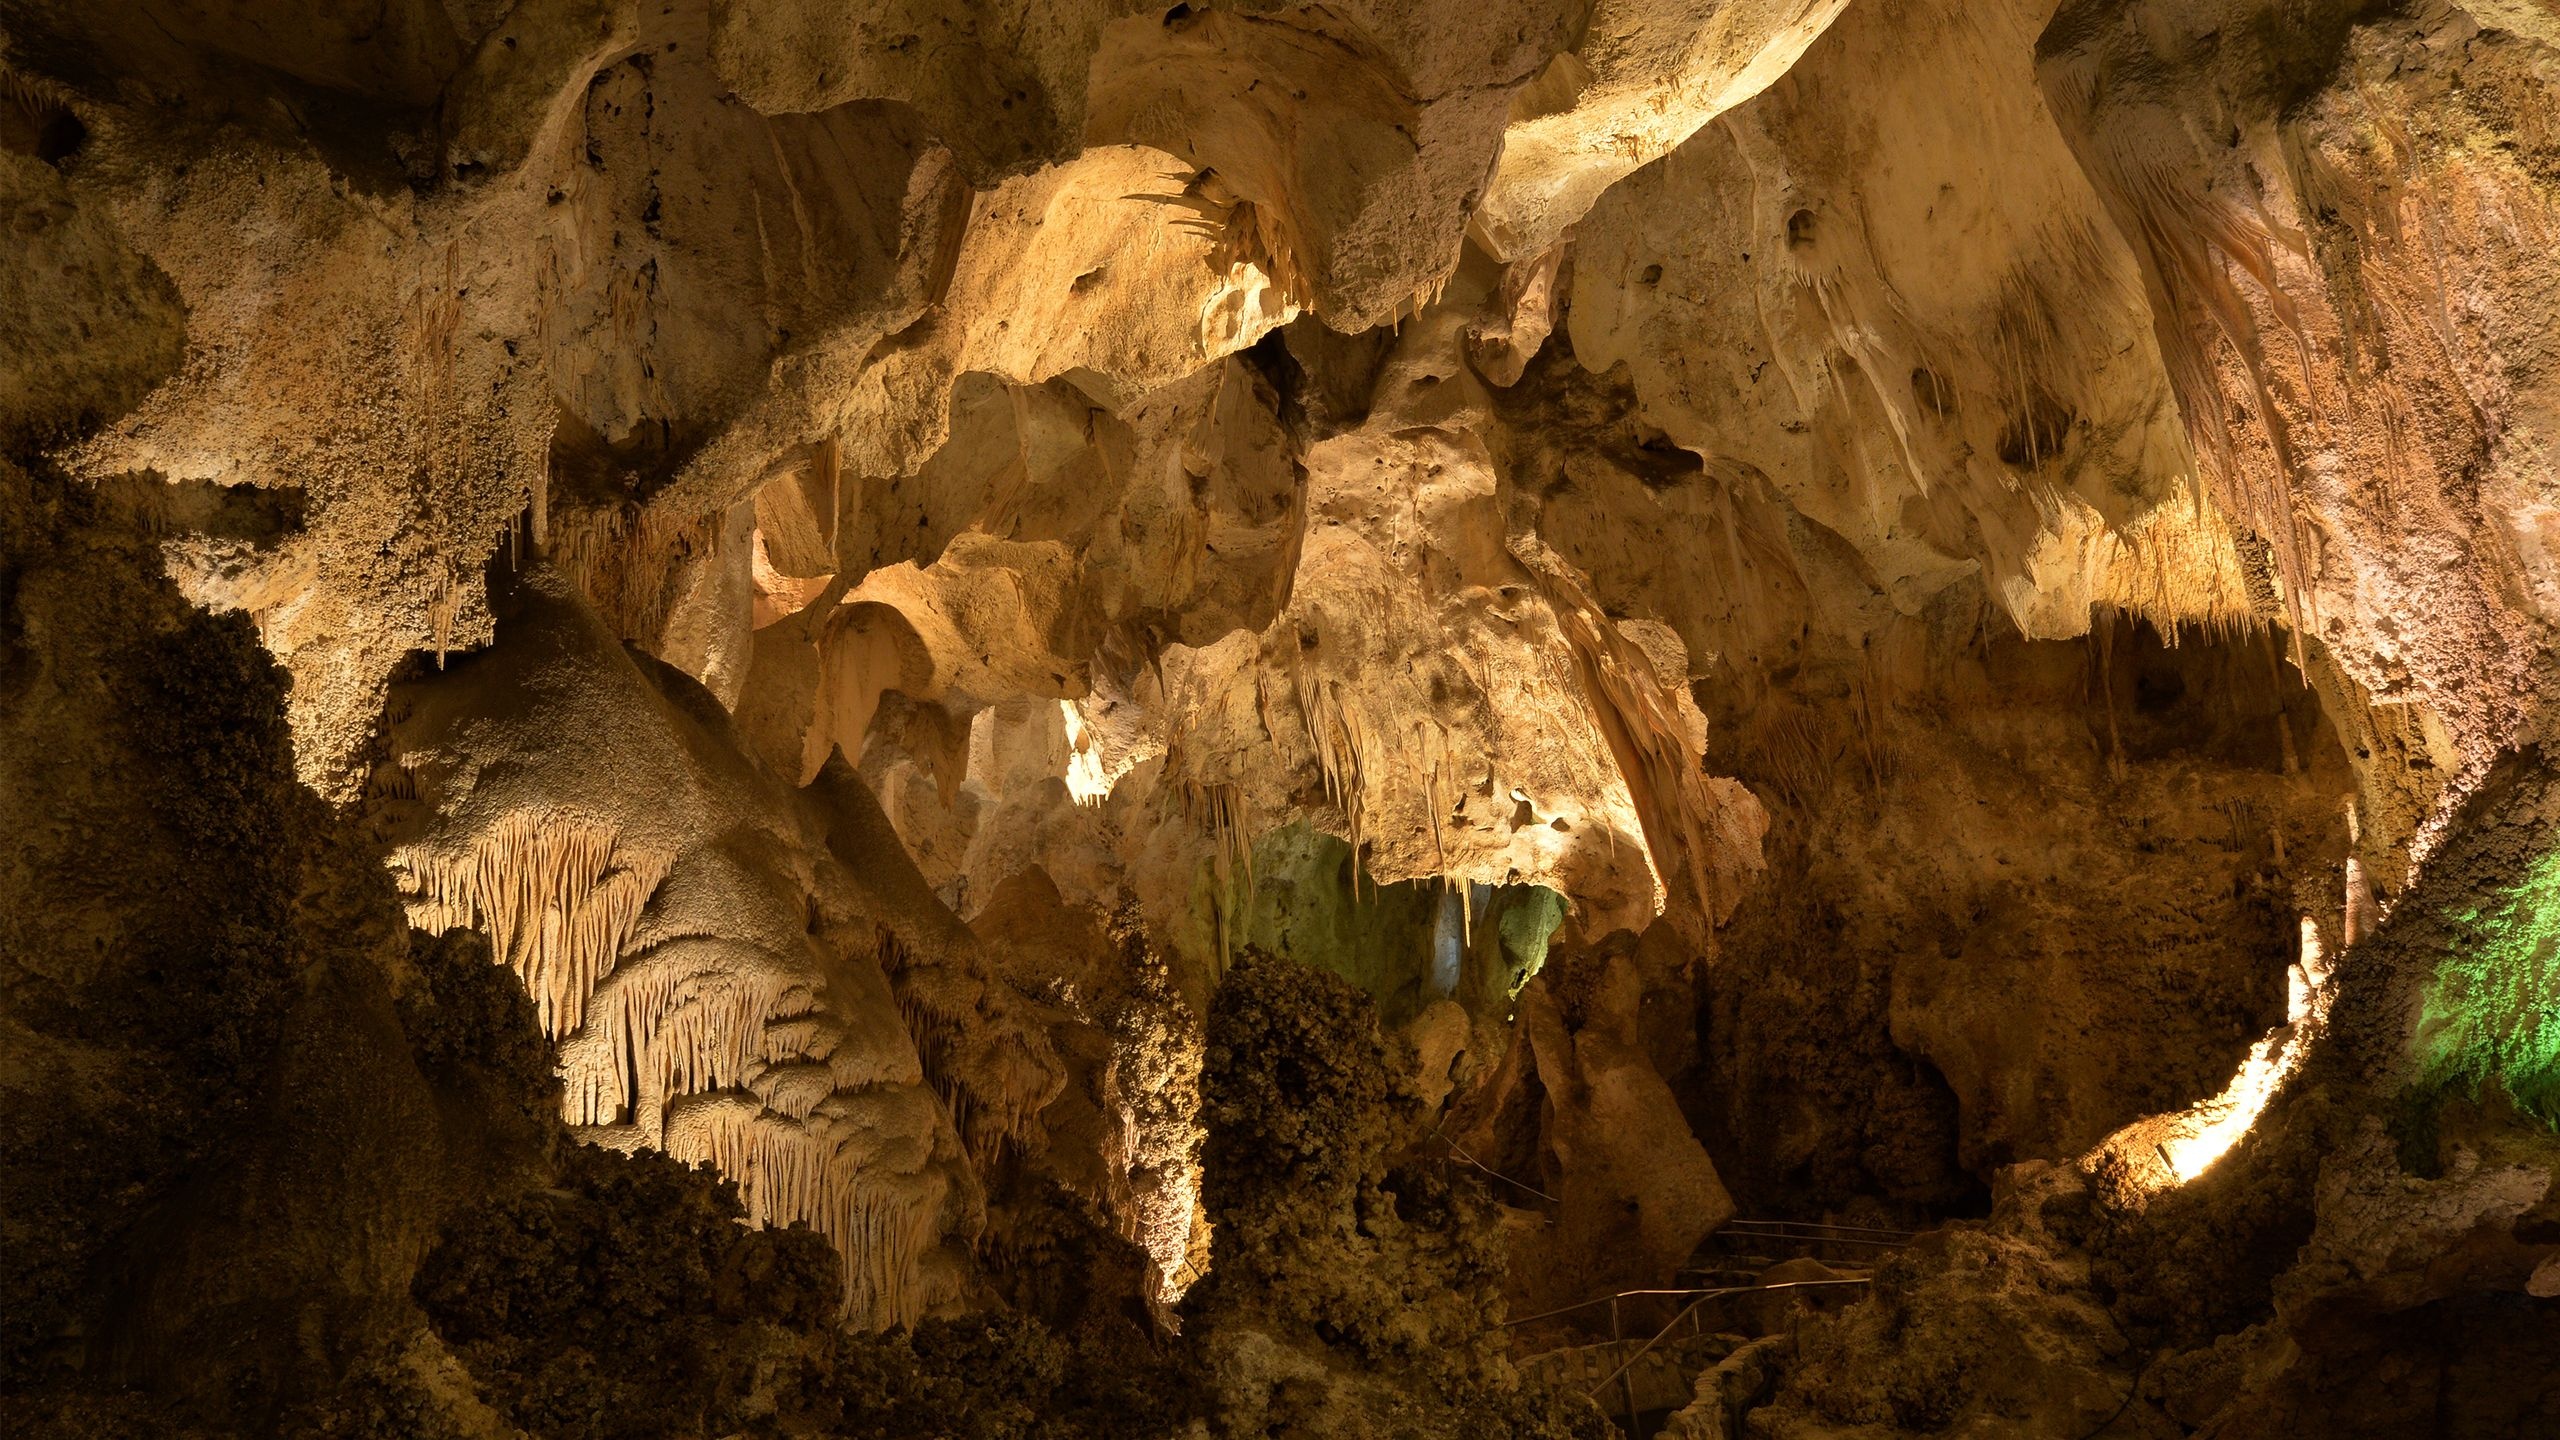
point(1816, 601)
point(723, 963)
point(1984, 1330)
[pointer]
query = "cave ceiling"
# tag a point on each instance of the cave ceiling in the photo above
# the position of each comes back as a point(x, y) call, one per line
point(1941, 569)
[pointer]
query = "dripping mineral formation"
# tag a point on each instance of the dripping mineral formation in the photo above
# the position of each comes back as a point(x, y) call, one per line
point(1402, 719)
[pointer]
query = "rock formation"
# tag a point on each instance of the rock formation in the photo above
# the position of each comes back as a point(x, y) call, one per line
point(775, 717)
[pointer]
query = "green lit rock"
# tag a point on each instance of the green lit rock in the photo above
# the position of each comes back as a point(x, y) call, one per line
point(2493, 1008)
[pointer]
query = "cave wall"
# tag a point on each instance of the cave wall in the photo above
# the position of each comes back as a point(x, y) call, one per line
point(1921, 584)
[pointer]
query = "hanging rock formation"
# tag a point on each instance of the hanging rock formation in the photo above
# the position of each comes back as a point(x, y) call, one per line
point(722, 962)
point(1898, 641)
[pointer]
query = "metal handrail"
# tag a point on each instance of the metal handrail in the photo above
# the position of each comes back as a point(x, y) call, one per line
point(1824, 1225)
point(1703, 1297)
point(1822, 1239)
point(1697, 1296)
point(1609, 1300)
point(1460, 1151)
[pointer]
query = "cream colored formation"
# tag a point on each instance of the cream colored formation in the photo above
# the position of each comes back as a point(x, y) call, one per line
point(729, 967)
point(1121, 431)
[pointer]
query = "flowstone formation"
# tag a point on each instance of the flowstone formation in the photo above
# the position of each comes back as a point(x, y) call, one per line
point(724, 978)
point(1779, 718)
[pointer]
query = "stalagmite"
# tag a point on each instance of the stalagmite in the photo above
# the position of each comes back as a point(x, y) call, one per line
point(2170, 1150)
point(2360, 911)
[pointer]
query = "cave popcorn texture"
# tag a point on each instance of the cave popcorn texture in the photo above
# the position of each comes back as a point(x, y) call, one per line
point(1912, 632)
point(2493, 1010)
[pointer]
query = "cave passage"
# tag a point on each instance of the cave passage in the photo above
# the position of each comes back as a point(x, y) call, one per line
point(1382, 720)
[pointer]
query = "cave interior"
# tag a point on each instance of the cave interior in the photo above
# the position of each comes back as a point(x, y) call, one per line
point(1297, 719)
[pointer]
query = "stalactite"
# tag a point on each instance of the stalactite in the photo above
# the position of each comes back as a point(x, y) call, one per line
point(789, 1173)
point(1641, 725)
point(625, 560)
point(440, 611)
point(993, 1073)
point(1248, 239)
point(661, 1030)
point(1218, 809)
point(671, 1039)
point(2192, 240)
point(1336, 730)
point(558, 897)
point(1858, 341)
point(2102, 630)
point(2176, 568)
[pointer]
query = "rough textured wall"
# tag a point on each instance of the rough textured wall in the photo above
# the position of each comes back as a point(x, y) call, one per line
point(1818, 599)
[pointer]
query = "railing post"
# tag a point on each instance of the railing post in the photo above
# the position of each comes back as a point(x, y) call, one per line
point(1626, 1376)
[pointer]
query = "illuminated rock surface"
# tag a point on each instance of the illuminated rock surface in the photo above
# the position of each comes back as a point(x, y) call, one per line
point(785, 718)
